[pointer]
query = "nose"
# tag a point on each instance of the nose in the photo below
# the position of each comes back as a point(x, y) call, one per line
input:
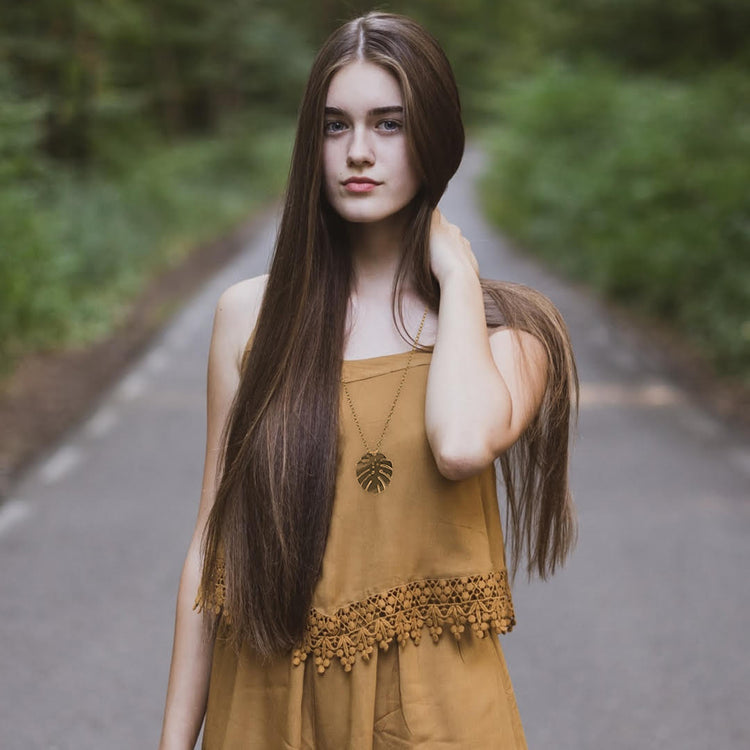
point(360, 150)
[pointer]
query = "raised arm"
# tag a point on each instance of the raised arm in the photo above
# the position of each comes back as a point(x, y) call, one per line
point(187, 690)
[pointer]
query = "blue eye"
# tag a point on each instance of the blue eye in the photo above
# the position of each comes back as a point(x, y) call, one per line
point(329, 126)
point(337, 126)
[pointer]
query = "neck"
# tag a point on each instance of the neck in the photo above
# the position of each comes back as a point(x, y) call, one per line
point(376, 250)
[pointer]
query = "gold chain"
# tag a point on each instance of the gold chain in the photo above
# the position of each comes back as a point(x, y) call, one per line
point(374, 469)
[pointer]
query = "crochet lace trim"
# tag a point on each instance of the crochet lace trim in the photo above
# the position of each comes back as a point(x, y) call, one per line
point(482, 601)
point(214, 602)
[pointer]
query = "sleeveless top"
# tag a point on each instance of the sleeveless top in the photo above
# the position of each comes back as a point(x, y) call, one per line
point(424, 555)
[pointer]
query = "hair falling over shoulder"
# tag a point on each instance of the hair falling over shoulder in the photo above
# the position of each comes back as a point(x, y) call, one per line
point(540, 517)
point(269, 523)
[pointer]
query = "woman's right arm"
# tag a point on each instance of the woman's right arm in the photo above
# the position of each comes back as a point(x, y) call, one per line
point(187, 690)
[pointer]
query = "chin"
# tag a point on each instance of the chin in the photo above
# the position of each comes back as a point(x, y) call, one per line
point(367, 214)
point(363, 218)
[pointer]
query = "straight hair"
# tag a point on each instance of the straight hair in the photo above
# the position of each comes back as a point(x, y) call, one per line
point(266, 533)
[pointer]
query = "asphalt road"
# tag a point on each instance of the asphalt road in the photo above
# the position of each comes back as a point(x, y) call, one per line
point(641, 641)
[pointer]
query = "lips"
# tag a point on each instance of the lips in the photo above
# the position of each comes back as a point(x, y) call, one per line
point(360, 185)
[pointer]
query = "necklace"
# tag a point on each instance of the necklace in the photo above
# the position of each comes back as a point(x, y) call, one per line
point(374, 470)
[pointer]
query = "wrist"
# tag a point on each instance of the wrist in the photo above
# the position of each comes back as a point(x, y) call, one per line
point(460, 275)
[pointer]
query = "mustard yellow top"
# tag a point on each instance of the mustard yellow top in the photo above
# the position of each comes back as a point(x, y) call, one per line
point(425, 554)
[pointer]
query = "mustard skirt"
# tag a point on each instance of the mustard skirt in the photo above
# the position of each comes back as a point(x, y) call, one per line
point(444, 695)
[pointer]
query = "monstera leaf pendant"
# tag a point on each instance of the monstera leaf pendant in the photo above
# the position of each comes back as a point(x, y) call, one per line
point(374, 471)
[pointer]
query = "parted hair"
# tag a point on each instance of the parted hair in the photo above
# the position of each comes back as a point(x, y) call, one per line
point(277, 469)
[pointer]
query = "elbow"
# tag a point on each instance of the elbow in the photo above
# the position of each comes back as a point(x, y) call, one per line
point(460, 463)
point(467, 455)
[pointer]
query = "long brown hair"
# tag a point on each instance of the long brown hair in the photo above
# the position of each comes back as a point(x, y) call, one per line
point(269, 522)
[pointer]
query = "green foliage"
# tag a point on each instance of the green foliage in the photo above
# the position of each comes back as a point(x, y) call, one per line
point(664, 35)
point(639, 187)
point(75, 250)
point(130, 129)
point(94, 69)
point(129, 132)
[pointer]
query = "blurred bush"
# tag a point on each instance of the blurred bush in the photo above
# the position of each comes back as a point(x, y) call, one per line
point(128, 129)
point(130, 132)
point(74, 250)
point(668, 36)
point(638, 186)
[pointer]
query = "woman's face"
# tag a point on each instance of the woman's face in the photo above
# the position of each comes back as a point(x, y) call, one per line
point(365, 140)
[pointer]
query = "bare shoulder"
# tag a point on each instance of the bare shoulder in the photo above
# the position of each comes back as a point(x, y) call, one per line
point(519, 355)
point(513, 343)
point(237, 312)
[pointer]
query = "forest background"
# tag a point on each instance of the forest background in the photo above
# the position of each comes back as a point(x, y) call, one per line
point(618, 130)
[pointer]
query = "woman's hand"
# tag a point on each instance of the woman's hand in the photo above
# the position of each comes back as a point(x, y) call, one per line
point(450, 251)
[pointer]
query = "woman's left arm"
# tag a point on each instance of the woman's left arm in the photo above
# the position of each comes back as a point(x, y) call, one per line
point(482, 389)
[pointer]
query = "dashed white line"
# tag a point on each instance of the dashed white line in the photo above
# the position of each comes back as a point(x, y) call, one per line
point(132, 387)
point(157, 360)
point(102, 422)
point(12, 512)
point(653, 394)
point(61, 463)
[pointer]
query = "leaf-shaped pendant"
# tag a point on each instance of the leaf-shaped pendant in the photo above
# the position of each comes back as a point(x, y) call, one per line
point(374, 471)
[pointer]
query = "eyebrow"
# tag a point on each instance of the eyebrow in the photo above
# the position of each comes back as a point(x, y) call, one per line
point(371, 113)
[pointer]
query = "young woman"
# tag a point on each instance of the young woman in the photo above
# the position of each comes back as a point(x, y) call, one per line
point(348, 556)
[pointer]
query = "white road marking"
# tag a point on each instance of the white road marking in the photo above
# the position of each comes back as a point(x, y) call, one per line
point(132, 386)
point(157, 359)
point(12, 512)
point(61, 463)
point(102, 422)
point(655, 394)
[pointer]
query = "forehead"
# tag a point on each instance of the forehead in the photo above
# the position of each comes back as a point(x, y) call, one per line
point(361, 86)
